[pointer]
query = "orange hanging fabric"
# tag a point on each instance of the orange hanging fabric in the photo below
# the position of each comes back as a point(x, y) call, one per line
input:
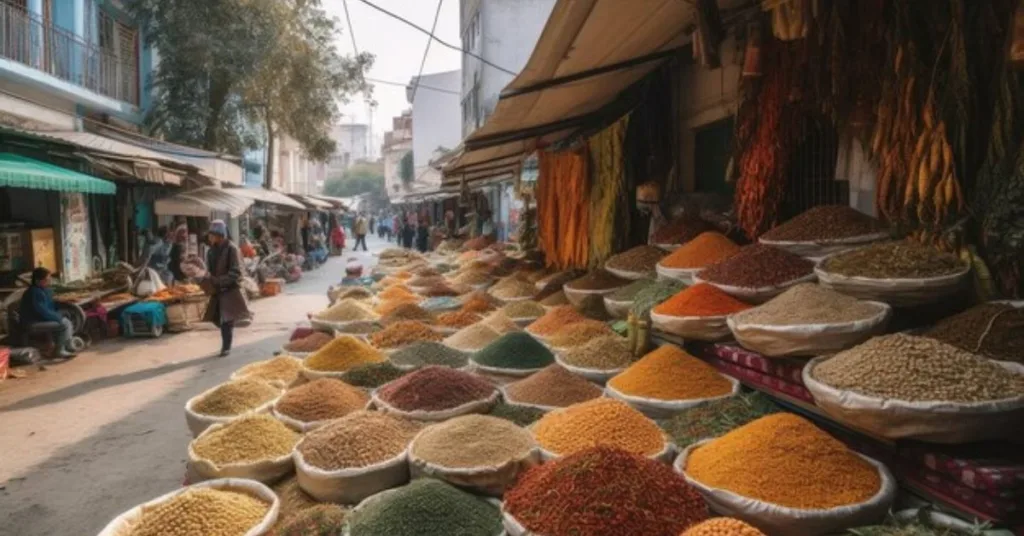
point(563, 200)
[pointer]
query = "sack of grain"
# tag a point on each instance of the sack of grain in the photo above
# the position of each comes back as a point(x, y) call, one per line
point(701, 328)
point(267, 470)
point(477, 406)
point(198, 421)
point(895, 292)
point(664, 409)
point(808, 339)
point(123, 524)
point(775, 519)
point(349, 486)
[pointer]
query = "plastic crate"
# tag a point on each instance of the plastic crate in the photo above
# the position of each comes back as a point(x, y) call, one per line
point(146, 319)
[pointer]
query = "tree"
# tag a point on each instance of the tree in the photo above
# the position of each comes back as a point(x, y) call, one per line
point(406, 170)
point(358, 180)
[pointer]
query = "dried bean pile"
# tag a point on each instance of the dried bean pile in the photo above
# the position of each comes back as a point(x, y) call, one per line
point(918, 369)
point(602, 353)
point(757, 266)
point(554, 387)
point(637, 259)
point(680, 231)
point(994, 330)
point(372, 375)
point(312, 342)
point(236, 397)
point(248, 439)
point(808, 303)
point(894, 260)
point(359, 439)
point(518, 351)
point(599, 422)
point(407, 311)
point(346, 311)
point(321, 399)
point(402, 333)
point(472, 338)
point(597, 280)
point(342, 354)
point(283, 369)
point(426, 507)
point(827, 222)
point(421, 354)
point(435, 389)
point(472, 441)
point(207, 511)
point(458, 319)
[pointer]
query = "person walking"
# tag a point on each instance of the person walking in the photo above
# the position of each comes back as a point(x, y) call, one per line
point(37, 306)
point(223, 283)
point(422, 233)
point(361, 228)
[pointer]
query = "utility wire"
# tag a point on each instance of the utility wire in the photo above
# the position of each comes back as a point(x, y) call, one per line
point(351, 30)
point(433, 27)
point(435, 38)
point(399, 84)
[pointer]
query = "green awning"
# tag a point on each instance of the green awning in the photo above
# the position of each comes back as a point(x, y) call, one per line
point(18, 171)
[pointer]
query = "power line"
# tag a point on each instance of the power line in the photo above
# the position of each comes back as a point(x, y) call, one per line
point(351, 30)
point(435, 38)
point(400, 84)
point(416, 83)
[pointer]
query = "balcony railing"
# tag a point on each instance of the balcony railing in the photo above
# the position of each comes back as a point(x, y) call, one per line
point(26, 39)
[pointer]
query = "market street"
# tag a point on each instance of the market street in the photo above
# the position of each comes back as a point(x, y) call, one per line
point(84, 440)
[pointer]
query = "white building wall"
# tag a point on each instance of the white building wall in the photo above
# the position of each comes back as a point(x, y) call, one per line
point(436, 118)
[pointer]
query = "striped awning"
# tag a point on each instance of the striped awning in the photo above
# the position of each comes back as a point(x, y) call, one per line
point(18, 171)
point(202, 202)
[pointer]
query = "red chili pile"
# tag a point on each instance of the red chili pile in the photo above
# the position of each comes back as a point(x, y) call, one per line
point(435, 388)
point(603, 491)
point(756, 266)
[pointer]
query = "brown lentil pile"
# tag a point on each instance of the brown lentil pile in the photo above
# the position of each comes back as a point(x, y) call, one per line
point(472, 338)
point(994, 330)
point(435, 388)
point(284, 369)
point(638, 259)
point(894, 260)
point(458, 319)
point(342, 354)
point(827, 222)
point(554, 320)
point(407, 311)
point(207, 511)
point(320, 520)
point(359, 439)
point(601, 422)
point(472, 277)
point(310, 343)
point(555, 300)
point(236, 397)
point(756, 266)
point(608, 352)
point(578, 333)
point(442, 290)
point(321, 399)
point(513, 287)
point(292, 499)
point(597, 280)
point(249, 439)
point(918, 369)
point(402, 333)
point(472, 441)
point(524, 309)
point(501, 322)
point(553, 386)
point(809, 303)
point(346, 311)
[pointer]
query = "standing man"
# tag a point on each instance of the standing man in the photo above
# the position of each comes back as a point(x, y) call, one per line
point(37, 306)
point(223, 283)
point(361, 228)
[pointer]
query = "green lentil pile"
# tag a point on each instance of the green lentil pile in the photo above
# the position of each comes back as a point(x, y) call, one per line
point(894, 260)
point(518, 351)
point(373, 375)
point(716, 418)
point(918, 369)
point(645, 299)
point(235, 397)
point(426, 353)
point(357, 440)
point(809, 303)
point(608, 352)
point(425, 507)
point(520, 415)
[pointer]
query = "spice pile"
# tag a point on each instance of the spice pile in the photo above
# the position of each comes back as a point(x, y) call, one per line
point(407, 311)
point(680, 231)
point(705, 250)
point(213, 512)
point(552, 387)
point(342, 354)
point(609, 352)
point(757, 266)
point(597, 280)
point(514, 351)
point(292, 499)
point(320, 520)
point(555, 299)
point(282, 369)
point(250, 439)
point(386, 306)
point(472, 338)
point(310, 343)
point(479, 302)
point(640, 259)
point(894, 260)
point(578, 333)
point(918, 369)
point(599, 422)
point(372, 375)
point(235, 397)
point(524, 309)
point(513, 287)
point(628, 292)
point(808, 303)
point(669, 373)
point(500, 322)
point(320, 400)
point(458, 319)
point(701, 299)
point(646, 299)
point(604, 491)
point(397, 292)
point(403, 333)
point(472, 441)
point(520, 415)
point(993, 330)
point(359, 439)
point(424, 281)
point(823, 223)
point(723, 526)
point(554, 320)
point(783, 459)
point(717, 417)
point(435, 389)
point(352, 293)
point(348, 310)
point(421, 354)
point(425, 507)
point(472, 277)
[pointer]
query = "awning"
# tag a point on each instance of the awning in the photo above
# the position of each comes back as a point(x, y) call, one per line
point(268, 196)
point(337, 202)
point(223, 168)
point(589, 52)
point(200, 203)
point(312, 203)
point(18, 171)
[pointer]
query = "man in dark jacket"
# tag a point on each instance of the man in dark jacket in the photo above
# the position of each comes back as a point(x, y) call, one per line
point(37, 306)
point(223, 283)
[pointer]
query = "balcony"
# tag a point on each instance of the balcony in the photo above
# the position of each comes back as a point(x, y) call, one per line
point(29, 40)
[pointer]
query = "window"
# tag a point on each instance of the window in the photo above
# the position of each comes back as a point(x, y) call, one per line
point(119, 64)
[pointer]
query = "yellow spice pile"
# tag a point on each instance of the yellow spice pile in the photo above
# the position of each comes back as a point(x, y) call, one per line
point(347, 310)
point(235, 397)
point(669, 373)
point(206, 511)
point(246, 440)
point(602, 422)
point(723, 526)
point(284, 369)
point(342, 354)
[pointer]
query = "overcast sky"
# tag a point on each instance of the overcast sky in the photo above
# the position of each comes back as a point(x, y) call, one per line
point(398, 49)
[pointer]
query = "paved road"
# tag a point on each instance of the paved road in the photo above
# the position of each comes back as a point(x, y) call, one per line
point(85, 440)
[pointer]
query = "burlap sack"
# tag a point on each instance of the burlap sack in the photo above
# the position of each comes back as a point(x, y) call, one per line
point(486, 480)
point(808, 339)
point(198, 422)
point(349, 486)
point(266, 471)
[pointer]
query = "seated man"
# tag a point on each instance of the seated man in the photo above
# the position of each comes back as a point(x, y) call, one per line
point(37, 306)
